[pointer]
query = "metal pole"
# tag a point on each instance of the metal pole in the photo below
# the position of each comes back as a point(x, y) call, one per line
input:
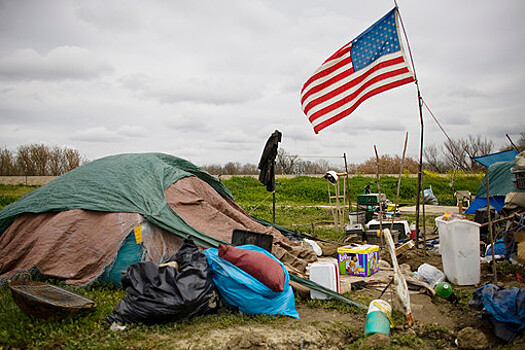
point(273, 186)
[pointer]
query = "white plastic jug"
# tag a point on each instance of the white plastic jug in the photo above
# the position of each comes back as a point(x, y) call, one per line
point(459, 246)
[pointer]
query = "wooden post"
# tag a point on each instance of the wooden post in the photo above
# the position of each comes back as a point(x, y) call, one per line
point(495, 279)
point(379, 195)
point(348, 185)
point(401, 166)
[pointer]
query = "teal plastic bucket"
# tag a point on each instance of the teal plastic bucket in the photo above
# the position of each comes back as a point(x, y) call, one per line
point(377, 322)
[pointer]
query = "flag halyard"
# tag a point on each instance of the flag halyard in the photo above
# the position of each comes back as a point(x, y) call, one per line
point(372, 63)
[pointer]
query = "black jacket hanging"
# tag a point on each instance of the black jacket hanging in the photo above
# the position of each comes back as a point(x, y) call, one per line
point(267, 162)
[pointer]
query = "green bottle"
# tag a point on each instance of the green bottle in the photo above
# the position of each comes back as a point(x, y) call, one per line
point(443, 289)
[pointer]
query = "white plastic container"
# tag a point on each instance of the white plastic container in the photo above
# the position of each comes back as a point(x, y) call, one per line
point(325, 273)
point(459, 246)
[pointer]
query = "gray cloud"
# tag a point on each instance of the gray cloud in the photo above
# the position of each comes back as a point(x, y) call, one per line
point(65, 62)
point(210, 81)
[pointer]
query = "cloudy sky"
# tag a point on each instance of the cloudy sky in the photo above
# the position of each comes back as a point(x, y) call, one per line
point(210, 80)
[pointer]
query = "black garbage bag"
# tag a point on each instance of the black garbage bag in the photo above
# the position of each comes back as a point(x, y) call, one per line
point(163, 293)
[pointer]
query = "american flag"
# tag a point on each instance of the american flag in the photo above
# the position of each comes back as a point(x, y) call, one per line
point(368, 65)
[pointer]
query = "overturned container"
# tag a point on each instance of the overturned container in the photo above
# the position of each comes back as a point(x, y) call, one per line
point(378, 318)
point(459, 246)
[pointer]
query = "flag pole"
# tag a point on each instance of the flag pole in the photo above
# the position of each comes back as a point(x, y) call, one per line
point(420, 106)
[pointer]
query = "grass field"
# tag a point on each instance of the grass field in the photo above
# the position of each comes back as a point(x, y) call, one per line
point(299, 200)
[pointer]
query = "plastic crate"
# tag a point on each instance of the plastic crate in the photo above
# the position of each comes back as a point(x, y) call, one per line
point(519, 178)
point(374, 236)
point(371, 198)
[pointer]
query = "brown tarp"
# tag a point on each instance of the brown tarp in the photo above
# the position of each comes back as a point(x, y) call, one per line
point(77, 245)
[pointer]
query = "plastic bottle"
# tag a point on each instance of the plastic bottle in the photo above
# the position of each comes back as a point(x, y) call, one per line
point(413, 230)
point(443, 289)
point(430, 274)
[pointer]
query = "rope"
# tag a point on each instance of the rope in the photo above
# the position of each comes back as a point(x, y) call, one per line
point(265, 198)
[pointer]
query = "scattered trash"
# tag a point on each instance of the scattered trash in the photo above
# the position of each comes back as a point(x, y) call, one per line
point(413, 230)
point(161, 294)
point(243, 291)
point(429, 197)
point(45, 300)
point(430, 274)
point(325, 273)
point(500, 252)
point(444, 290)
point(504, 309)
point(400, 283)
point(115, 327)
point(358, 260)
point(378, 318)
point(317, 250)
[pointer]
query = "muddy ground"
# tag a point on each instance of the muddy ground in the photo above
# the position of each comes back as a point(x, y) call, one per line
point(437, 323)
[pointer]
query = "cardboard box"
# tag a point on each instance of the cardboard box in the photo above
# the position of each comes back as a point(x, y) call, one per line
point(358, 260)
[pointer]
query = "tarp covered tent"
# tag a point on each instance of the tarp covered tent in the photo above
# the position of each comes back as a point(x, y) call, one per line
point(97, 219)
point(500, 183)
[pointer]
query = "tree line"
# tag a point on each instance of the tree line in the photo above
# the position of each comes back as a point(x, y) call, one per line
point(39, 160)
point(452, 155)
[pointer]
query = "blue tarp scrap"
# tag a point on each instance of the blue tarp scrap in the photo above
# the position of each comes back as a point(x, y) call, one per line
point(503, 156)
point(505, 308)
point(496, 202)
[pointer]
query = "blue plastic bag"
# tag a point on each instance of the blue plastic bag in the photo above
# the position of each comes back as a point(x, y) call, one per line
point(241, 290)
point(505, 306)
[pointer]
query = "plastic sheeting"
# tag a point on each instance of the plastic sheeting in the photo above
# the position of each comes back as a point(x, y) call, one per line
point(132, 183)
point(161, 294)
point(240, 290)
point(490, 159)
point(505, 307)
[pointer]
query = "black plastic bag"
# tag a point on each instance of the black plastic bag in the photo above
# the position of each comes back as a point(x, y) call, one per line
point(162, 294)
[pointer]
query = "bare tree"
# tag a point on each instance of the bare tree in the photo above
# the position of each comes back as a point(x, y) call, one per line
point(232, 168)
point(388, 165)
point(7, 162)
point(72, 159)
point(56, 161)
point(458, 153)
point(433, 159)
point(24, 162)
point(285, 162)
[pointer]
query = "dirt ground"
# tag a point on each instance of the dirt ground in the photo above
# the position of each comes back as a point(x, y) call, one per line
point(437, 323)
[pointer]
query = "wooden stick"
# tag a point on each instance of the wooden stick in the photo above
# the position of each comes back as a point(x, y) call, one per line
point(495, 280)
point(401, 167)
point(379, 195)
point(348, 186)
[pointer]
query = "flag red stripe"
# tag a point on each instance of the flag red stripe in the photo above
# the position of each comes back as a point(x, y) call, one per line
point(356, 104)
point(342, 75)
point(348, 99)
point(346, 86)
point(324, 72)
